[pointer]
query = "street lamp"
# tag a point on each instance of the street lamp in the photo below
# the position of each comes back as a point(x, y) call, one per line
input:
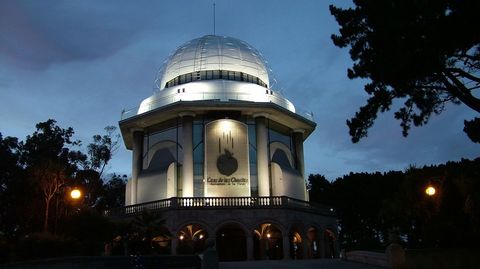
point(75, 194)
point(430, 190)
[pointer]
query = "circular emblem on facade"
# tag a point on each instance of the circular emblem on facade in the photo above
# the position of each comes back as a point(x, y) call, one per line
point(226, 163)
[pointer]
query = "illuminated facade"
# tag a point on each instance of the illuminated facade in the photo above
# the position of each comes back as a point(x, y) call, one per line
point(220, 152)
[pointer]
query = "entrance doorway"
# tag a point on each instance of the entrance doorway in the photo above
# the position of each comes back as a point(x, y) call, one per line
point(296, 245)
point(329, 244)
point(268, 242)
point(231, 243)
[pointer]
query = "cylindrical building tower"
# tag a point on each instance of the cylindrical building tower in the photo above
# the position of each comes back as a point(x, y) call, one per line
point(218, 143)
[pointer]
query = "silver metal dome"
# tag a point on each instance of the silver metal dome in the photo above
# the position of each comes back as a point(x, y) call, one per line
point(212, 52)
point(215, 69)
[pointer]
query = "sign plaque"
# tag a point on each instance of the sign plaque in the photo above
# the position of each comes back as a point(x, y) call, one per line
point(227, 171)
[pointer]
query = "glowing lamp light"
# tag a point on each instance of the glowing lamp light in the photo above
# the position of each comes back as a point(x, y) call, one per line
point(201, 236)
point(226, 125)
point(181, 237)
point(75, 194)
point(430, 191)
point(269, 235)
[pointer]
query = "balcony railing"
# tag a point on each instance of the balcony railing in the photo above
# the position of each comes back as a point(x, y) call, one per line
point(224, 96)
point(175, 203)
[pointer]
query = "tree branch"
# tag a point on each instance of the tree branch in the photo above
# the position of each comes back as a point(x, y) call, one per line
point(460, 91)
point(420, 87)
point(470, 57)
point(464, 74)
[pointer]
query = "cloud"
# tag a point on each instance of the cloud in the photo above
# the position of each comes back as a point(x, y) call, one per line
point(36, 34)
point(82, 62)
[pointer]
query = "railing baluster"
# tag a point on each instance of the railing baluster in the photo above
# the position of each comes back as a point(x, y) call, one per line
point(199, 202)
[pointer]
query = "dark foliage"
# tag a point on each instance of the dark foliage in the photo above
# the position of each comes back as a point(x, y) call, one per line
point(144, 229)
point(42, 245)
point(36, 176)
point(426, 53)
point(372, 206)
point(89, 229)
point(114, 192)
point(472, 128)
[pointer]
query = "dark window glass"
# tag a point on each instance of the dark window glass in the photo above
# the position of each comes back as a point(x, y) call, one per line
point(252, 141)
point(252, 156)
point(215, 74)
point(224, 74)
point(152, 140)
point(238, 76)
point(279, 137)
point(198, 156)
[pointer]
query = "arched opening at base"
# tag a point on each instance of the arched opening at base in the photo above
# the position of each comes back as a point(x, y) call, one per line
point(314, 250)
point(268, 242)
point(329, 244)
point(161, 244)
point(231, 243)
point(296, 245)
point(191, 239)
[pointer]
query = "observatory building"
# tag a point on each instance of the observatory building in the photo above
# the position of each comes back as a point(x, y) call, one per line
point(219, 152)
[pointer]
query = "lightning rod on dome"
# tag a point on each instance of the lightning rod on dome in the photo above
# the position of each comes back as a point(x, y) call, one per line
point(213, 18)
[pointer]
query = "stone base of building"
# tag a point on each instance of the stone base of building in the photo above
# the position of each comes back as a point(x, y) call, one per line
point(246, 228)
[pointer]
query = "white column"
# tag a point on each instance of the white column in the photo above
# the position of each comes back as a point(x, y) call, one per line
point(137, 163)
point(187, 162)
point(299, 160)
point(262, 155)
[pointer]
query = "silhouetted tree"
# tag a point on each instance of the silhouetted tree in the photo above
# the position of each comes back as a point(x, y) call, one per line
point(372, 205)
point(359, 198)
point(101, 150)
point(426, 53)
point(46, 156)
point(35, 177)
point(319, 189)
point(11, 181)
point(114, 192)
point(146, 227)
point(90, 229)
point(99, 153)
point(472, 128)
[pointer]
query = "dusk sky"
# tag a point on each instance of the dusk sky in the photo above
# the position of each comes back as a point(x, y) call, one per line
point(82, 62)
